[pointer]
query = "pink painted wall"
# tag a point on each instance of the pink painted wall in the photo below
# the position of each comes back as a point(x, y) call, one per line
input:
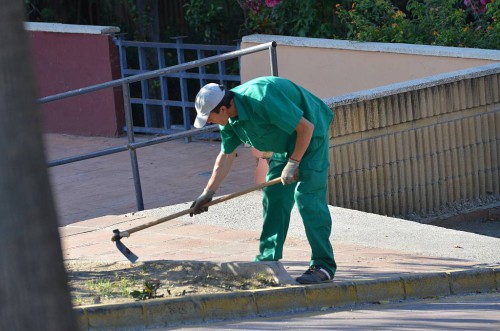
point(68, 61)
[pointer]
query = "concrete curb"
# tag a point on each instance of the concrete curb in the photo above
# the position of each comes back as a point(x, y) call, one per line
point(236, 305)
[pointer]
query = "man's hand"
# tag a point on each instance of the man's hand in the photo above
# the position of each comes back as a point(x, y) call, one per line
point(203, 199)
point(290, 173)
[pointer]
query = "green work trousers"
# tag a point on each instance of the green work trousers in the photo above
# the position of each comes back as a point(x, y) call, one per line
point(309, 193)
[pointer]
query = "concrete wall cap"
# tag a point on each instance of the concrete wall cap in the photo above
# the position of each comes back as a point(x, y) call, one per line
point(70, 28)
point(400, 48)
point(412, 85)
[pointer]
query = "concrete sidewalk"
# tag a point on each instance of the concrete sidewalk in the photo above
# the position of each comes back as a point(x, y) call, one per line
point(172, 172)
point(379, 258)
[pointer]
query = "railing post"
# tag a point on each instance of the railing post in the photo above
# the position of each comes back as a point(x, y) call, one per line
point(238, 47)
point(183, 85)
point(132, 152)
point(201, 69)
point(143, 67)
point(122, 54)
point(274, 58)
point(164, 89)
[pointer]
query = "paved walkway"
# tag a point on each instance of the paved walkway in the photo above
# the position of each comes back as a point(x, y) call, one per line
point(172, 172)
point(96, 196)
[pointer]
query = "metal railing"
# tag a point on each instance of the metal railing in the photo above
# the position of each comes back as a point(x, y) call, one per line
point(162, 106)
point(125, 82)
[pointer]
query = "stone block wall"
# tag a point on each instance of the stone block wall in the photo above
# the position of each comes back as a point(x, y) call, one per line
point(419, 149)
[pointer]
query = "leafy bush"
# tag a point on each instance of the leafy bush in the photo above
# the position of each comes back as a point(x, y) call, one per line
point(466, 23)
point(214, 21)
point(462, 23)
point(470, 23)
point(377, 20)
point(279, 17)
point(302, 18)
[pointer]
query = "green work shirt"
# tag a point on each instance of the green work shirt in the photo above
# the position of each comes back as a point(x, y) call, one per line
point(269, 110)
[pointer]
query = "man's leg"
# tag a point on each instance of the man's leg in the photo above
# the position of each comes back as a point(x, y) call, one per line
point(313, 208)
point(310, 197)
point(277, 201)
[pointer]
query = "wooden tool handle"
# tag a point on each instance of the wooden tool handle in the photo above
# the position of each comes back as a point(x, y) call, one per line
point(223, 198)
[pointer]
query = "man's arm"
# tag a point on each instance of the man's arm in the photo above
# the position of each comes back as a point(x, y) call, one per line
point(222, 165)
point(304, 133)
point(290, 173)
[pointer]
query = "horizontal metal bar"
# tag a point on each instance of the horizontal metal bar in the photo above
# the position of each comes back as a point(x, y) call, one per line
point(159, 72)
point(174, 136)
point(147, 44)
point(133, 145)
point(161, 130)
point(87, 156)
point(159, 102)
point(189, 75)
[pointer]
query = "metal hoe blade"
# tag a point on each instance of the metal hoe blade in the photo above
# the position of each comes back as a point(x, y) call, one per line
point(125, 251)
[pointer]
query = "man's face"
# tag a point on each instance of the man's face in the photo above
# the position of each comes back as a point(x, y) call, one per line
point(220, 118)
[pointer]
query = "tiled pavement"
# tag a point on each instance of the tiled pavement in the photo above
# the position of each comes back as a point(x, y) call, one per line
point(184, 240)
point(172, 172)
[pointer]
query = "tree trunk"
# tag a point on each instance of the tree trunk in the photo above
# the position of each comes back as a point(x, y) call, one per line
point(34, 293)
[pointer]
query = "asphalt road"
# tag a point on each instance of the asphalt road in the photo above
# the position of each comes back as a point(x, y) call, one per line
point(472, 312)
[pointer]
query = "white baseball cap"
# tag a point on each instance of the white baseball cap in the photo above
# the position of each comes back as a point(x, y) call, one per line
point(206, 101)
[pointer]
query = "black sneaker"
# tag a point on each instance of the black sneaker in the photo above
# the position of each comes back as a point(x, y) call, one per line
point(315, 274)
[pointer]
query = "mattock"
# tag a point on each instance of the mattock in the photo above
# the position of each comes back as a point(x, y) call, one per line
point(118, 235)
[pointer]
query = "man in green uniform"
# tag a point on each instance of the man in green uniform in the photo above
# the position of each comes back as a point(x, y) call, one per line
point(274, 114)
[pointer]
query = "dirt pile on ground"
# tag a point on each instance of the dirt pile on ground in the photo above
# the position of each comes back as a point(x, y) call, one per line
point(100, 282)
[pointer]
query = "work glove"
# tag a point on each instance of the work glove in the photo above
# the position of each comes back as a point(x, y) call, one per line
point(203, 199)
point(290, 173)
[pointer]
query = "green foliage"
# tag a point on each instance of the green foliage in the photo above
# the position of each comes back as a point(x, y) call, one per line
point(102, 287)
point(293, 17)
point(288, 17)
point(149, 290)
point(489, 24)
point(213, 21)
point(111, 287)
point(431, 22)
point(434, 22)
point(438, 22)
point(377, 20)
point(121, 13)
point(145, 20)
